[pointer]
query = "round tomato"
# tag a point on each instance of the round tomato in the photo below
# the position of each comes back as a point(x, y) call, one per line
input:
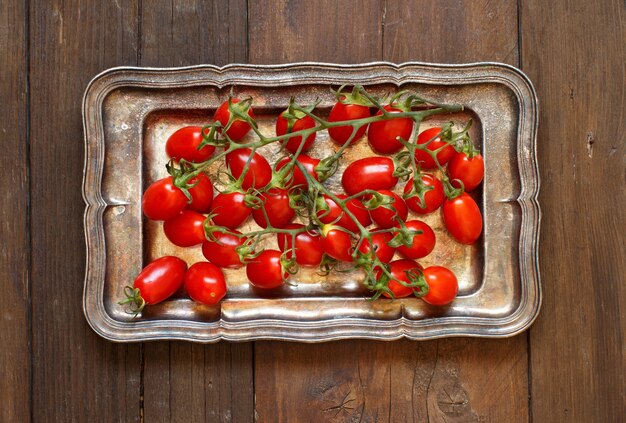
point(336, 243)
point(259, 173)
point(204, 282)
point(308, 246)
point(374, 173)
point(239, 128)
point(222, 252)
point(433, 138)
point(163, 200)
point(293, 143)
point(442, 285)
point(266, 271)
point(184, 143)
point(230, 210)
point(274, 208)
point(463, 218)
point(380, 240)
point(158, 281)
point(399, 269)
point(388, 216)
point(186, 229)
point(295, 178)
point(201, 194)
point(423, 244)
point(336, 216)
point(383, 135)
point(433, 198)
point(342, 112)
point(469, 170)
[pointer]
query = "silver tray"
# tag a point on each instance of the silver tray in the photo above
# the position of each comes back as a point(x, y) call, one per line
point(128, 114)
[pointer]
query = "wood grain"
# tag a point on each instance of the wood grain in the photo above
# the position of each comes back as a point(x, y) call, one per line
point(15, 383)
point(77, 376)
point(574, 52)
point(185, 382)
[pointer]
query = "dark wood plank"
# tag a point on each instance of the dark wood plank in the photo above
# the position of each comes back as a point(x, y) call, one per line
point(185, 382)
point(574, 52)
point(14, 248)
point(447, 380)
point(77, 376)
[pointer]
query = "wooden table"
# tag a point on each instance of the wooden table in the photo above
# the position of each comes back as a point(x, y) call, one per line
point(569, 367)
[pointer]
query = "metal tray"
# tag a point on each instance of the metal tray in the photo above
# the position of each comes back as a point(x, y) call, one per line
point(129, 113)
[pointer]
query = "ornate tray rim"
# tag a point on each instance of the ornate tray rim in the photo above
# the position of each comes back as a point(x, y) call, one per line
point(310, 331)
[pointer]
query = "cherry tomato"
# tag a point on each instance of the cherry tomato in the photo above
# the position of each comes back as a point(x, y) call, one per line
point(336, 243)
point(423, 158)
point(463, 218)
point(433, 198)
point(184, 143)
point(259, 174)
point(293, 143)
point(221, 252)
point(239, 128)
point(275, 203)
point(308, 246)
point(296, 178)
point(163, 200)
point(388, 218)
point(369, 173)
point(442, 285)
point(332, 215)
point(230, 210)
point(201, 194)
point(342, 112)
point(399, 269)
point(382, 249)
point(468, 170)
point(266, 271)
point(160, 279)
point(383, 135)
point(423, 244)
point(204, 282)
point(186, 229)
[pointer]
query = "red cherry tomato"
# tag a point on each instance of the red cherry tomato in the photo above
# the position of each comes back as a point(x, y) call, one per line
point(399, 269)
point(163, 200)
point(381, 246)
point(204, 282)
point(423, 244)
point(160, 279)
point(423, 158)
point(369, 173)
point(265, 271)
point(442, 285)
point(433, 198)
point(222, 252)
point(470, 171)
point(463, 218)
point(336, 243)
point(239, 128)
point(259, 174)
point(184, 143)
point(293, 143)
point(201, 194)
point(388, 218)
point(383, 135)
point(186, 229)
point(296, 178)
point(308, 246)
point(336, 216)
point(342, 112)
point(274, 203)
point(230, 210)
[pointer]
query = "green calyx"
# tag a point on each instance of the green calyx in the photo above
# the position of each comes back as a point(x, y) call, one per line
point(134, 300)
point(357, 96)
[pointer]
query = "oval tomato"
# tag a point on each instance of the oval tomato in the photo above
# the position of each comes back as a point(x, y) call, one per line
point(295, 178)
point(293, 143)
point(442, 285)
point(336, 243)
point(159, 280)
point(336, 216)
point(468, 170)
point(230, 210)
point(275, 204)
point(399, 269)
point(201, 194)
point(463, 219)
point(423, 244)
point(342, 112)
point(259, 173)
point(184, 143)
point(380, 240)
point(383, 135)
point(374, 173)
point(388, 217)
point(266, 271)
point(222, 252)
point(433, 198)
point(163, 200)
point(432, 137)
point(186, 229)
point(239, 128)
point(204, 282)
point(308, 246)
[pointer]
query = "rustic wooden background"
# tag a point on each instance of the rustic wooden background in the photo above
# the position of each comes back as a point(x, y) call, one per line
point(569, 367)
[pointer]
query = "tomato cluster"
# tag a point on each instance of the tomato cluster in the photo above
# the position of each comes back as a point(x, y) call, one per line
point(367, 225)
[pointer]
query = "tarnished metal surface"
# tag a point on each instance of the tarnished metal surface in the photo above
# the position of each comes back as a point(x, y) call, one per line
point(128, 115)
